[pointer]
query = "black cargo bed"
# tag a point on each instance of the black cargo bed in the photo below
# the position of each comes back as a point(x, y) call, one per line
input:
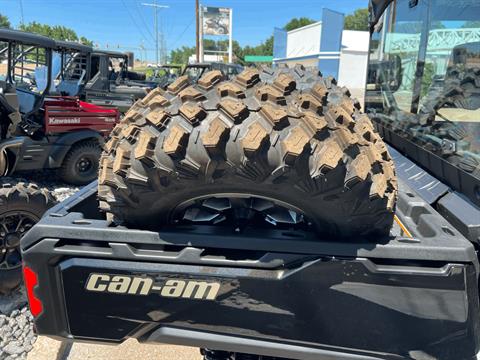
point(280, 293)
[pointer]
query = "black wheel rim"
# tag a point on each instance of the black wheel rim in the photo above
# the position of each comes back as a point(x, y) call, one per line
point(13, 226)
point(239, 212)
point(84, 165)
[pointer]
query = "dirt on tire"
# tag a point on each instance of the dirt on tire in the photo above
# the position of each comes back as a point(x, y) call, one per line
point(19, 198)
point(286, 134)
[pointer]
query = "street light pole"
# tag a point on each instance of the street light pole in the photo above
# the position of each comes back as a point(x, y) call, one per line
point(197, 30)
point(155, 8)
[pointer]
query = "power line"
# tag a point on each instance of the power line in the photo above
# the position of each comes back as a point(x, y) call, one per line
point(21, 12)
point(155, 7)
point(134, 22)
point(183, 33)
point(137, 8)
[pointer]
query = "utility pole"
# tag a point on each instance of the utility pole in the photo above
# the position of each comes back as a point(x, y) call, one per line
point(197, 39)
point(230, 39)
point(155, 9)
point(142, 48)
point(21, 12)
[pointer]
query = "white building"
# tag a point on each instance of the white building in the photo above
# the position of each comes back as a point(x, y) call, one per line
point(207, 58)
point(352, 71)
point(348, 62)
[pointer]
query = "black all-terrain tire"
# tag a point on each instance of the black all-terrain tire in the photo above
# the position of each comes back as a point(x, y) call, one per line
point(29, 202)
point(284, 134)
point(72, 171)
point(461, 90)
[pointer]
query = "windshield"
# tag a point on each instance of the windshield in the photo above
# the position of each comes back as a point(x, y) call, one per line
point(167, 71)
point(194, 72)
point(117, 68)
point(424, 77)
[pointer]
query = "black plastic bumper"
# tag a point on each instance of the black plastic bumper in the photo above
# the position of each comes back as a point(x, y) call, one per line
point(280, 294)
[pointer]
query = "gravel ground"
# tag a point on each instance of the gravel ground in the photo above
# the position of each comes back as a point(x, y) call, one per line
point(16, 322)
point(16, 331)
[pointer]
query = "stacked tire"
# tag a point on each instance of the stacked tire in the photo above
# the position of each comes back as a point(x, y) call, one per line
point(287, 135)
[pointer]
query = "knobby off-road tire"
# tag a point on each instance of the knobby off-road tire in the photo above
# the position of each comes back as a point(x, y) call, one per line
point(21, 206)
point(461, 90)
point(80, 166)
point(452, 140)
point(284, 134)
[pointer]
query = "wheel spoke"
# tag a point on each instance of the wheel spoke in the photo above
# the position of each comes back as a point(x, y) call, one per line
point(13, 225)
point(12, 258)
point(5, 227)
point(3, 256)
point(241, 212)
point(19, 223)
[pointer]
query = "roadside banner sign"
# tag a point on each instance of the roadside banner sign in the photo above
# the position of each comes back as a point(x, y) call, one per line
point(216, 21)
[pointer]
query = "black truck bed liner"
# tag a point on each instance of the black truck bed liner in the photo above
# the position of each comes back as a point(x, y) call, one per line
point(280, 293)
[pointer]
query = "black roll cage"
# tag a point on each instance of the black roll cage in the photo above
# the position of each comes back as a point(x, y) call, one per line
point(12, 38)
point(376, 10)
point(68, 47)
point(16, 37)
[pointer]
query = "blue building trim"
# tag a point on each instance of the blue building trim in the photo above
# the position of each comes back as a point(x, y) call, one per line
point(328, 56)
point(279, 43)
point(330, 42)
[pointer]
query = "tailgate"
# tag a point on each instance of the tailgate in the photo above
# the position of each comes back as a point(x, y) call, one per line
point(322, 304)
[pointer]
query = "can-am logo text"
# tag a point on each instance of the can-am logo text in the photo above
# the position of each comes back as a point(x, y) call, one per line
point(139, 285)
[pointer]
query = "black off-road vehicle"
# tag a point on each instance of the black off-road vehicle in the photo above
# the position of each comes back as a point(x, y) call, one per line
point(99, 77)
point(164, 75)
point(167, 74)
point(111, 84)
point(269, 203)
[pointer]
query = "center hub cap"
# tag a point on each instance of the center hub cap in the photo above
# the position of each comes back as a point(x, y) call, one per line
point(12, 240)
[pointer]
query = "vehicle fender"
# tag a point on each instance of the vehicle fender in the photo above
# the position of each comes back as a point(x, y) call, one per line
point(9, 150)
point(65, 142)
point(3, 163)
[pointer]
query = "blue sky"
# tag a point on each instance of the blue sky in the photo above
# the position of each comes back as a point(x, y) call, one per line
point(127, 23)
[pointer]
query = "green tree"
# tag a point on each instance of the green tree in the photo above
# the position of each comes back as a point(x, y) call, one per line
point(85, 41)
point(57, 32)
point(296, 23)
point(357, 21)
point(181, 55)
point(4, 22)
point(471, 24)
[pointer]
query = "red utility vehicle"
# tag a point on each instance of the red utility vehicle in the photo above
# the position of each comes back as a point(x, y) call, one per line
point(65, 114)
point(38, 130)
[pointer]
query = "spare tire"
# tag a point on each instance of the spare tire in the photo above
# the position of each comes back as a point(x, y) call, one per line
point(285, 136)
